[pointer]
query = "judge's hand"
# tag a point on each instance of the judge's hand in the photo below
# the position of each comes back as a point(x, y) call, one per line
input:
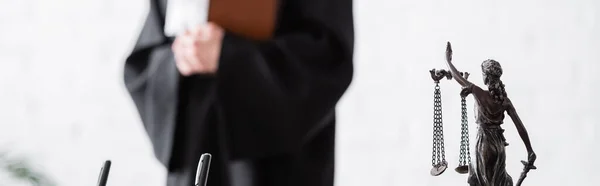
point(197, 51)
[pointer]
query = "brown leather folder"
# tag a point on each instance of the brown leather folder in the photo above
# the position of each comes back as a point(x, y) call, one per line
point(254, 19)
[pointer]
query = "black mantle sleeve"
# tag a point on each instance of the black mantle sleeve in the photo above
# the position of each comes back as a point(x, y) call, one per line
point(276, 95)
point(152, 80)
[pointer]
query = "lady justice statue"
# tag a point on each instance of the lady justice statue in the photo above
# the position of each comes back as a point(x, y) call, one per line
point(489, 168)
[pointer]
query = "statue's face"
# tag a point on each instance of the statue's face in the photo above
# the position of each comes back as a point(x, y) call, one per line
point(485, 78)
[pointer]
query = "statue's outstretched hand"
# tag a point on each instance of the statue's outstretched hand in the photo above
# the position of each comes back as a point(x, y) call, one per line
point(449, 52)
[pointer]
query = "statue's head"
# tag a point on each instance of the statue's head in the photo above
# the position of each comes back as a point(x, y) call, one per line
point(491, 70)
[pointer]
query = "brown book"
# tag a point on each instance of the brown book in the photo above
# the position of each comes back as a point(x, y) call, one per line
point(254, 19)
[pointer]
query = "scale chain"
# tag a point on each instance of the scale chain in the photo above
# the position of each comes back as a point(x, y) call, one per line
point(465, 122)
point(438, 122)
point(438, 154)
point(434, 148)
point(465, 155)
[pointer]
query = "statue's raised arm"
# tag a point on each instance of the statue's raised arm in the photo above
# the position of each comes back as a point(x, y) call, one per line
point(453, 71)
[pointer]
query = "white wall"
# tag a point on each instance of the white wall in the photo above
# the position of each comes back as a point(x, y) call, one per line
point(62, 100)
point(62, 103)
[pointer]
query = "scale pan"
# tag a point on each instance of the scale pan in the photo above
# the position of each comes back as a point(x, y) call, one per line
point(462, 169)
point(438, 169)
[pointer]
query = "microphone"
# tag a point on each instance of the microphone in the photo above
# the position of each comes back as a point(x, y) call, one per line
point(104, 173)
point(203, 169)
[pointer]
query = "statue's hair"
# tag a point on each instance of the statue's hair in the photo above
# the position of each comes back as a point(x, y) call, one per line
point(493, 71)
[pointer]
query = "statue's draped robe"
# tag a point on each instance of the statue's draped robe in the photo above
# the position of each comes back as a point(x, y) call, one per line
point(489, 167)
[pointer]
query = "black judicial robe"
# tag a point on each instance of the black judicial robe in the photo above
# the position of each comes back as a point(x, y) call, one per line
point(267, 116)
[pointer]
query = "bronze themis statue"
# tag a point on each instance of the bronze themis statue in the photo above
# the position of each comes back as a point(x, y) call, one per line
point(489, 167)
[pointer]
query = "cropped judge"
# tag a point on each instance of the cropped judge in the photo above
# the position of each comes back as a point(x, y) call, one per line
point(265, 109)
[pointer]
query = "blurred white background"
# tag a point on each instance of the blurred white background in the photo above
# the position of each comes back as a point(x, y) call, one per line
point(63, 105)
